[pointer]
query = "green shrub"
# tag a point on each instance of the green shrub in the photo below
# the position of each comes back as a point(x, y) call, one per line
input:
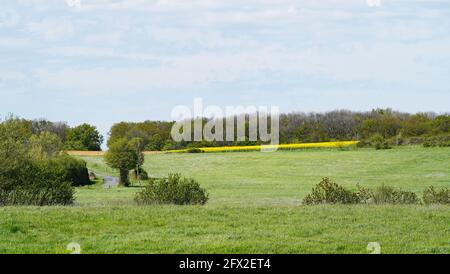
point(76, 170)
point(437, 141)
point(172, 190)
point(379, 142)
point(37, 183)
point(389, 195)
point(365, 195)
point(328, 192)
point(433, 196)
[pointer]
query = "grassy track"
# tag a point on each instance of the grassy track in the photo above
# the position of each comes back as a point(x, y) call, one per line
point(255, 207)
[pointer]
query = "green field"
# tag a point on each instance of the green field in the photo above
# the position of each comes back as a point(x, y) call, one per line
point(255, 207)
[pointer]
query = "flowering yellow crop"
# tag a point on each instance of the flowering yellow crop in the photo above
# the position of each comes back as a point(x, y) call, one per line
point(284, 146)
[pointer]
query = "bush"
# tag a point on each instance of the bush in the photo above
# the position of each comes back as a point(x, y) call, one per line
point(76, 171)
point(37, 183)
point(172, 190)
point(365, 195)
point(328, 192)
point(379, 142)
point(433, 196)
point(437, 141)
point(389, 195)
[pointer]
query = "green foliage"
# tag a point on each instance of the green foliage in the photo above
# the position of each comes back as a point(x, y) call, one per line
point(328, 192)
point(436, 196)
point(35, 183)
point(389, 195)
point(379, 142)
point(365, 195)
point(154, 134)
point(418, 125)
point(84, 137)
point(437, 141)
point(76, 171)
point(60, 129)
point(441, 124)
point(396, 128)
point(44, 145)
point(172, 190)
point(29, 174)
point(384, 123)
point(124, 156)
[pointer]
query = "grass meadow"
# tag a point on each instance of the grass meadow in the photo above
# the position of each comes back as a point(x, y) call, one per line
point(254, 207)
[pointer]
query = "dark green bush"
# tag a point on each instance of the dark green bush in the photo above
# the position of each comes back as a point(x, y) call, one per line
point(436, 196)
point(389, 195)
point(76, 170)
point(37, 183)
point(27, 178)
point(172, 190)
point(328, 192)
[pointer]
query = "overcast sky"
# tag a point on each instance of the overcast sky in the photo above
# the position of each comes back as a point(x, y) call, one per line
point(104, 61)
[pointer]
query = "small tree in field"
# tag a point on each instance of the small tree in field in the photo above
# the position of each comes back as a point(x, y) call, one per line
point(122, 155)
point(138, 144)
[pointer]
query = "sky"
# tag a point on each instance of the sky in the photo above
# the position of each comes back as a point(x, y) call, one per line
point(106, 61)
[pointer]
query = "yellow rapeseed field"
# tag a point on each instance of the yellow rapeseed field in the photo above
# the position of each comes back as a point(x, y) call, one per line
point(271, 147)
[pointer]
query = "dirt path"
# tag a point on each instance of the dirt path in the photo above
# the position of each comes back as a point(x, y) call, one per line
point(109, 181)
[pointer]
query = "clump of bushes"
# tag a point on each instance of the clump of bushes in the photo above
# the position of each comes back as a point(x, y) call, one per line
point(328, 192)
point(173, 189)
point(75, 169)
point(32, 171)
point(39, 184)
point(436, 196)
point(377, 141)
point(390, 195)
point(437, 141)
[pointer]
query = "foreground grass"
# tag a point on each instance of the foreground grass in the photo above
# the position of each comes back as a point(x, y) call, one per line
point(255, 207)
point(211, 229)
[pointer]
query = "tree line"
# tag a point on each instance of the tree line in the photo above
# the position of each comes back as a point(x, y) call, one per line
point(84, 137)
point(393, 126)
